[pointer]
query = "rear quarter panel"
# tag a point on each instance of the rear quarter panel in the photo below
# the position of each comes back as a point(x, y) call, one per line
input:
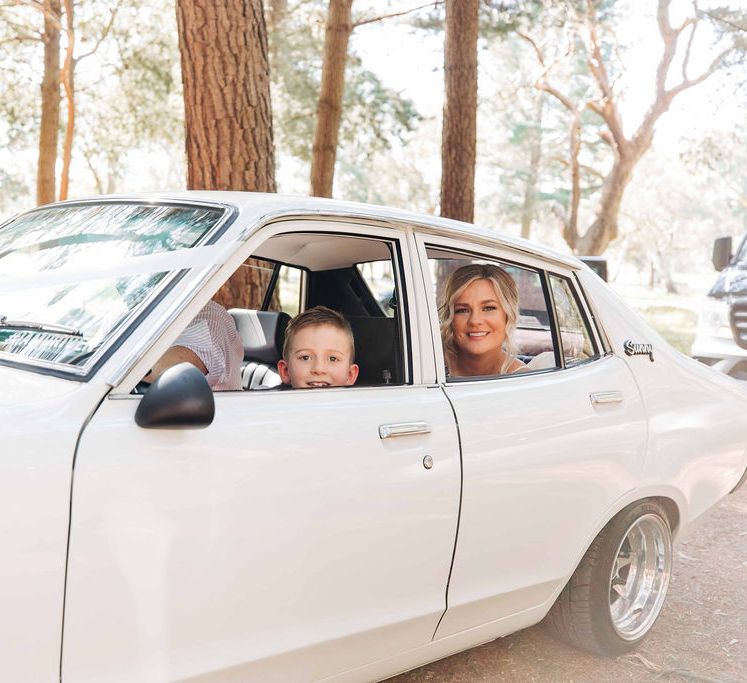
point(697, 432)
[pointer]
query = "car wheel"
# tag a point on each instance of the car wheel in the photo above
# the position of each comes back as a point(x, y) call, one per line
point(612, 600)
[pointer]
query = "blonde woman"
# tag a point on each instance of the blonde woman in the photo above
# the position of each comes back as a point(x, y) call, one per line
point(478, 318)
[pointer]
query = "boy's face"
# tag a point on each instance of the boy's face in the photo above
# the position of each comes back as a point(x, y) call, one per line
point(320, 356)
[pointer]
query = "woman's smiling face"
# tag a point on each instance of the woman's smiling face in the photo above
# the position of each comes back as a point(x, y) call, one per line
point(479, 323)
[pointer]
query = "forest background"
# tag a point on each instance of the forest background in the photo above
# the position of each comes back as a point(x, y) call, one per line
point(573, 98)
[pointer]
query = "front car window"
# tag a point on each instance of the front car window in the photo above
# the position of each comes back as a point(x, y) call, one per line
point(72, 276)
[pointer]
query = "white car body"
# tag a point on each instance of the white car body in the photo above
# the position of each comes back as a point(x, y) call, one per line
point(288, 540)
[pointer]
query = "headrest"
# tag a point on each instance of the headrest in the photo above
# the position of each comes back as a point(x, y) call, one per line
point(376, 350)
point(262, 333)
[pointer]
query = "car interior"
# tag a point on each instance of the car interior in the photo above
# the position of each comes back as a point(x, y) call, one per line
point(331, 274)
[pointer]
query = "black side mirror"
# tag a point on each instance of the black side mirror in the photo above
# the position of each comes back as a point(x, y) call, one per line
point(180, 398)
point(721, 252)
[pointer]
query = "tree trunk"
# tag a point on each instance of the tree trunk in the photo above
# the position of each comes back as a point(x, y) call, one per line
point(329, 107)
point(68, 74)
point(50, 104)
point(604, 227)
point(228, 119)
point(458, 142)
point(278, 10)
point(530, 191)
point(226, 78)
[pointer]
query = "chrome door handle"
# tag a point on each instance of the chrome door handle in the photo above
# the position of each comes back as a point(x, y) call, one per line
point(602, 397)
point(403, 429)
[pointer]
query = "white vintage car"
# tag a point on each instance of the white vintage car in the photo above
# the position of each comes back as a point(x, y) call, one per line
point(345, 533)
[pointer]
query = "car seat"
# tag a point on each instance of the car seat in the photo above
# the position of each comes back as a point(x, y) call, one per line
point(262, 334)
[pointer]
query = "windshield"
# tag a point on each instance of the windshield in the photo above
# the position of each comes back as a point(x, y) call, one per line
point(73, 276)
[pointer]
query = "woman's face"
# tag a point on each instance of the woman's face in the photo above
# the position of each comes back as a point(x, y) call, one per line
point(479, 323)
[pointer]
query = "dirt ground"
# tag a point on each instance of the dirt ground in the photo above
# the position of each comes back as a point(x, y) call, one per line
point(701, 634)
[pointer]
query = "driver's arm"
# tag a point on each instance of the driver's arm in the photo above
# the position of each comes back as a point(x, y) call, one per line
point(173, 356)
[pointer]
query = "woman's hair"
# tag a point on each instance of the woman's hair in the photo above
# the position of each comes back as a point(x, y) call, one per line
point(507, 294)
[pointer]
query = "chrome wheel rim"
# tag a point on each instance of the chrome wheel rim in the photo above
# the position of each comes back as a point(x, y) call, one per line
point(640, 576)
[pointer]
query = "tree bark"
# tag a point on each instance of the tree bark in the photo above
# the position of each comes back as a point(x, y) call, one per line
point(226, 78)
point(68, 75)
point(459, 135)
point(228, 118)
point(50, 104)
point(329, 107)
point(535, 155)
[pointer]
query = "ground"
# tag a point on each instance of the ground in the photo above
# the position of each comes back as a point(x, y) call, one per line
point(701, 634)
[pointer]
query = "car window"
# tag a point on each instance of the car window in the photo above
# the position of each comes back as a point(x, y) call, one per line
point(260, 284)
point(73, 276)
point(379, 277)
point(532, 339)
point(288, 290)
point(321, 269)
point(576, 340)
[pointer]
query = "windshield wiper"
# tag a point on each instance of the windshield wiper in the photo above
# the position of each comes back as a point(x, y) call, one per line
point(39, 327)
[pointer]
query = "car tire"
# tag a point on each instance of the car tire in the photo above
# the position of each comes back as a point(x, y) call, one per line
point(615, 595)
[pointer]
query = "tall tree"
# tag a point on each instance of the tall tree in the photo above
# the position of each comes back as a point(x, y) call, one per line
point(228, 118)
point(226, 79)
point(59, 20)
point(330, 104)
point(329, 109)
point(626, 150)
point(458, 142)
point(535, 154)
point(50, 103)
point(67, 74)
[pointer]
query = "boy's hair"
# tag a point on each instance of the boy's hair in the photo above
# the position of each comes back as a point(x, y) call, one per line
point(313, 317)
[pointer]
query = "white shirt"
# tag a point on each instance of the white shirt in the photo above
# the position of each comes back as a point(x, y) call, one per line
point(212, 336)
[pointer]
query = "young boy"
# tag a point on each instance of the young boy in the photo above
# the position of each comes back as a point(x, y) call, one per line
point(318, 351)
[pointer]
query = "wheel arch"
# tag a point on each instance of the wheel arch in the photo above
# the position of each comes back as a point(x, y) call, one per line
point(671, 499)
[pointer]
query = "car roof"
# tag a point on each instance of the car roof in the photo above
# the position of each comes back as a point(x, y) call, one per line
point(258, 209)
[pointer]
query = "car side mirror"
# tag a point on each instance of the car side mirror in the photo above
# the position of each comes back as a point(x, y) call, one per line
point(721, 252)
point(179, 398)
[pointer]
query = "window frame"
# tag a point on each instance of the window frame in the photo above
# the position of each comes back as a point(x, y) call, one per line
point(508, 258)
point(598, 346)
point(397, 244)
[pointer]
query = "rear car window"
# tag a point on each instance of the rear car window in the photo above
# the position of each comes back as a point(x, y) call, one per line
point(575, 335)
point(533, 337)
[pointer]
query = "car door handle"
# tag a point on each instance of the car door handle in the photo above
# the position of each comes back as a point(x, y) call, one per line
point(403, 429)
point(602, 397)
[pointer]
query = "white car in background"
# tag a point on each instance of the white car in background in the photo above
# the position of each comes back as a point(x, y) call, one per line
point(345, 533)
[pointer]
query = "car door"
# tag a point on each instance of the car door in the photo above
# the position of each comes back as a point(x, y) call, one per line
point(545, 456)
point(289, 540)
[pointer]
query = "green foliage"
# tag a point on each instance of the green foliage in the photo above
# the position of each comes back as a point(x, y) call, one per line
point(20, 48)
point(136, 100)
point(373, 115)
